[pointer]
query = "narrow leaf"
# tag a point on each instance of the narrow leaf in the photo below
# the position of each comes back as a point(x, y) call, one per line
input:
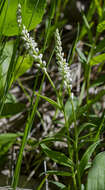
point(98, 59)
point(59, 173)
point(101, 26)
point(85, 125)
point(98, 6)
point(57, 156)
point(8, 137)
point(52, 102)
point(86, 157)
point(60, 185)
point(51, 139)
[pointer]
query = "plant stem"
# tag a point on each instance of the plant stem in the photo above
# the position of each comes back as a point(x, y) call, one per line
point(51, 82)
point(31, 115)
point(76, 140)
point(69, 150)
point(24, 140)
point(89, 66)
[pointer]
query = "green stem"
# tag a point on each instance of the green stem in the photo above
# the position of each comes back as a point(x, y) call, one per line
point(24, 90)
point(51, 82)
point(88, 75)
point(58, 11)
point(76, 140)
point(24, 140)
point(100, 127)
point(89, 66)
point(69, 150)
point(31, 115)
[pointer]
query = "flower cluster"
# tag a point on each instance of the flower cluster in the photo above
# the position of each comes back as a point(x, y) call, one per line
point(64, 69)
point(30, 44)
point(19, 18)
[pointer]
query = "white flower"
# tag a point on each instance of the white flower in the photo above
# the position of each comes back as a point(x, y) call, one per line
point(64, 69)
point(19, 18)
point(30, 45)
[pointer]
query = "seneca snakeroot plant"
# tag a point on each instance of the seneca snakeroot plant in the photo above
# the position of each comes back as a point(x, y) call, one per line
point(30, 44)
point(64, 69)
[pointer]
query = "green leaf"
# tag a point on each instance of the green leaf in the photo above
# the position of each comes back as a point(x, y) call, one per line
point(6, 141)
point(5, 147)
point(99, 81)
point(68, 106)
point(9, 137)
point(32, 12)
point(51, 139)
point(89, 16)
point(11, 109)
point(83, 109)
point(10, 98)
point(23, 64)
point(81, 56)
point(101, 26)
point(86, 22)
point(4, 63)
point(88, 27)
point(58, 157)
point(85, 125)
point(58, 184)
point(96, 175)
point(100, 46)
point(52, 102)
point(97, 59)
point(59, 173)
point(42, 183)
point(86, 157)
point(98, 6)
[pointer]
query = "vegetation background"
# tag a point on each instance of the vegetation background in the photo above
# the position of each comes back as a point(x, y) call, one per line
point(52, 137)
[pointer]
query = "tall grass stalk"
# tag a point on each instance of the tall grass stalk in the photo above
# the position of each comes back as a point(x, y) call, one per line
point(29, 123)
point(30, 119)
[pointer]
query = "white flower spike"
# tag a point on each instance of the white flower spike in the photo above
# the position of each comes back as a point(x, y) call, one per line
point(30, 44)
point(19, 18)
point(64, 69)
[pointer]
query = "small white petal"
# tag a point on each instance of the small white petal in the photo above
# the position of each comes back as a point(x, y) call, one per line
point(44, 69)
point(44, 63)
